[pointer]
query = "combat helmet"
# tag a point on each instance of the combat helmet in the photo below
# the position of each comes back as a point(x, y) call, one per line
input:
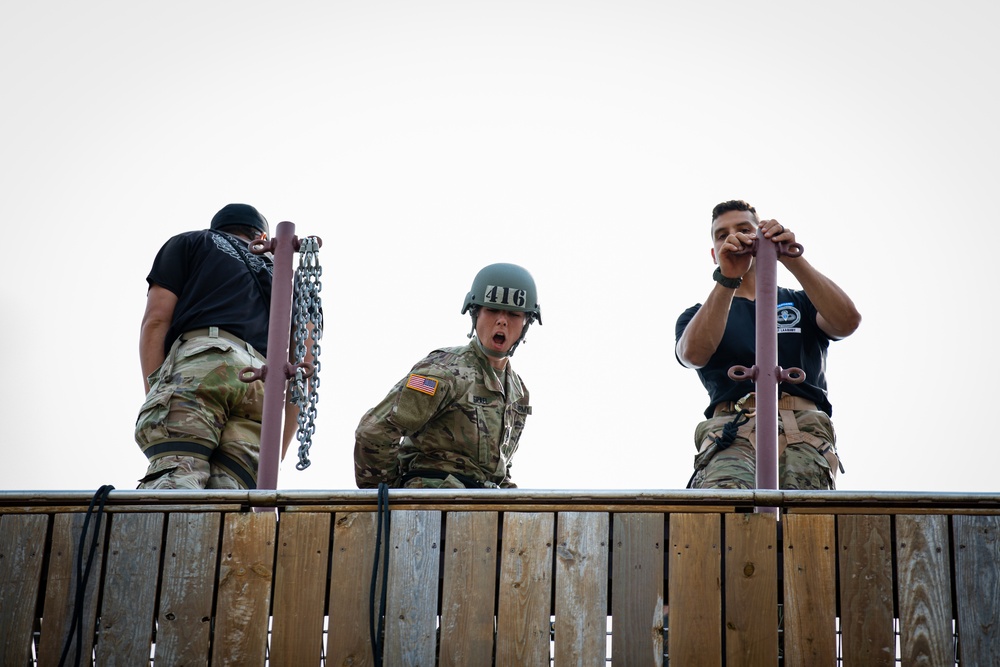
point(504, 287)
point(240, 214)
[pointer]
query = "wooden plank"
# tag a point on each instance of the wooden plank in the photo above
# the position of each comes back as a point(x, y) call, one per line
point(349, 638)
point(924, 589)
point(694, 591)
point(581, 623)
point(810, 591)
point(300, 589)
point(190, 559)
point(22, 545)
point(243, 602)
point(523, 608)
point(411, 607)
point(751, 572)
point(469, 589)
point(866, 612)
point(637, 590)
point(977, 582)
point(133, 571)
point(60, 590)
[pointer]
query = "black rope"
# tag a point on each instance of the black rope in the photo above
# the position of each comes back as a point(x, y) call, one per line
point(83, 573)
point(729, 430)
point(376, 635)
point(729, 433)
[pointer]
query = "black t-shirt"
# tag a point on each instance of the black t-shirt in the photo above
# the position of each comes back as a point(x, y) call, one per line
point(801, 344)
point(213, 285)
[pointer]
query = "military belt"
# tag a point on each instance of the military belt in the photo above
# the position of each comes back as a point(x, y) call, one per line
point(216, 332)
point(468, 482)
point(749, 403)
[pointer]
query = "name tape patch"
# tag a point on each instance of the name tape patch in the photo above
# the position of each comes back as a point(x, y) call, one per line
point(422, 384)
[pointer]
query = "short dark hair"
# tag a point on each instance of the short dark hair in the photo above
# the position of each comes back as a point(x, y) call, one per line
point(732, 205)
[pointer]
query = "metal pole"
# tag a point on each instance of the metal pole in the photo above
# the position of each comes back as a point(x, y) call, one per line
point(278, 333)
point(767, 377)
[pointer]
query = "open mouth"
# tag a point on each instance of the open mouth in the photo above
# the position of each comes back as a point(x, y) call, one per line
point(499, 339)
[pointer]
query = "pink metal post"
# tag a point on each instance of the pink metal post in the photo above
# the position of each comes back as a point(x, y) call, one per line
point(766, 264)
point(275, 373)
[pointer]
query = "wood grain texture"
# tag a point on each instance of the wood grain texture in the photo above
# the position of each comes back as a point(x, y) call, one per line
point(246, 573)
point(411, 607)
point(22, 545)
point(469, 589)
point(190, 559)
point(865, 545)
point(133, 572)
point(810, 589)
point(523, 609)
point(302, 560)
point(581, 588)
point(924, 590)
point(349, 639)
point(977, 582)
point(695, 590)
point(751, 571)
point(637, 589)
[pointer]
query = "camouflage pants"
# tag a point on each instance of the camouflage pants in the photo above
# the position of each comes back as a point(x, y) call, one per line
point(809, 463)
point(200, 424)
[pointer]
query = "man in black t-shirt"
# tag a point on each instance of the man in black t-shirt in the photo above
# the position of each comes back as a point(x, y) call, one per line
point(206, 319)
point(719, 334)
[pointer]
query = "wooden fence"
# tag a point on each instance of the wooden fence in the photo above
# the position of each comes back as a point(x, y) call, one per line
point(502, 577)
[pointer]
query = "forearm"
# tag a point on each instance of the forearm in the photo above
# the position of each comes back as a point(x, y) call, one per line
point(376, 448)
point(837, 314)
point(289, 428)
point(151, 356)
point(704, 332)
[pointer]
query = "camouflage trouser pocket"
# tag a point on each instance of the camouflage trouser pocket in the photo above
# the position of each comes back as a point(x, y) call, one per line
point(150, 425)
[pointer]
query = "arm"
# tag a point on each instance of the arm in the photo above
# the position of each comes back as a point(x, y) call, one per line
point(704, 332)
point(376, 446)
point(160, 304)
point(836, 314)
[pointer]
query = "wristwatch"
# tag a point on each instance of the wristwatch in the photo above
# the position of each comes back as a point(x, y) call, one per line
point(731, 283)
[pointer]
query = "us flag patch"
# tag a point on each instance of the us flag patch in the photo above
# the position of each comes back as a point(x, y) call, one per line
point(422, 384)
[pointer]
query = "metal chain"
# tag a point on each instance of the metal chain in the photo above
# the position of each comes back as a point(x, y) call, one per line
point(308, 310)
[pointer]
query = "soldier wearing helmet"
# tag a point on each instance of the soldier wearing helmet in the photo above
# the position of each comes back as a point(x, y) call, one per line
point(455, 420)
point(206, 318)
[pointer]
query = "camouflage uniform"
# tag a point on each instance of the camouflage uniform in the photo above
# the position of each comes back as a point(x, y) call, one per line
point(200, 424)
point(806, 445)
point(452, 417)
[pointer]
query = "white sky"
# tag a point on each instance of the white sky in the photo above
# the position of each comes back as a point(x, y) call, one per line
point(586, 140)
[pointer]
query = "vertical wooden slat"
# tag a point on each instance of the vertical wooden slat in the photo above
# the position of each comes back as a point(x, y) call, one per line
point(977, 583)
point(469, 589)
point(637, 590)
point(189, 564)
point(695, 595)
point(300, 588)
point(525, 589)
point(924, 585)
point(243, 602)
point(581, 588)
point(22, 544)
point(866, 590)
point(349, 639)
point(751, 571)
point(810, 602)
point(411, 607)
point(133, 570)
point(60, 589)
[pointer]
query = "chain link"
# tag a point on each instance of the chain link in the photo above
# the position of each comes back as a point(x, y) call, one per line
point(308, 310)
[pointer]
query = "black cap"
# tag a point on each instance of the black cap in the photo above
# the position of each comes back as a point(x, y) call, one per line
point(240, 214)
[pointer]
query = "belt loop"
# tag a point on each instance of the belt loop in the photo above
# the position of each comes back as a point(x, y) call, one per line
point(213, 332)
